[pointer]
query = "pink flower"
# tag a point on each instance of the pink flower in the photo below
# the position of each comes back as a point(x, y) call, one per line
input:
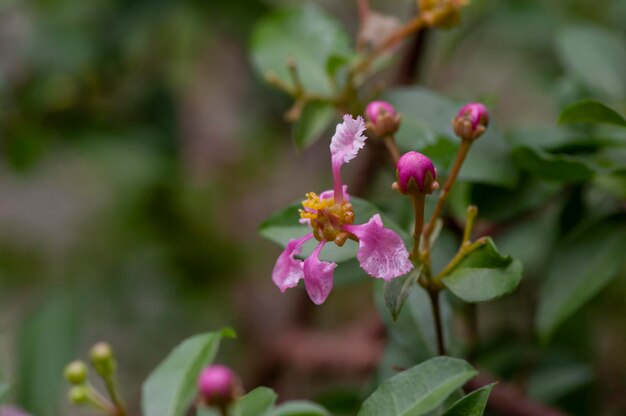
point(471, 121)
point(383, 118)
point(330, 215)
point(377, 108)
point(416, 172)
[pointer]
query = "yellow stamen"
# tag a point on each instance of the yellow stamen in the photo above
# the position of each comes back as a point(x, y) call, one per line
point(315, 203)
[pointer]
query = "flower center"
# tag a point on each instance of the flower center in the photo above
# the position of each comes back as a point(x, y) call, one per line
point(327, 218)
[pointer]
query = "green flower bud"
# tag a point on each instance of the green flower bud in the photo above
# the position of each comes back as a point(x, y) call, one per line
point(78, 395)
point(102, 359)
point(76, 372)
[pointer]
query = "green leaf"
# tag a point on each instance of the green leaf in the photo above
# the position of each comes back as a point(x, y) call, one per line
point(581, 266)
point(314, 120)
point(170, 389)
point(283, 226)
point(46, 344)
point(484, 275)
point(307, 35)
point(396, 291)
point(4, 392)
point(299, 408)
point(419, 389)
point(590, 111)
point(255, 403)
point(427, 127)
point(471, 405)
point(561, 167)
point(550, 382)
point(595, 56)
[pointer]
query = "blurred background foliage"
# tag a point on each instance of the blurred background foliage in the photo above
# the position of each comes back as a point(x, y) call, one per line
point(140, 151)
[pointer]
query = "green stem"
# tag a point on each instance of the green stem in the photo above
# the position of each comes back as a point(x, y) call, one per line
point(390, 143)
point(418, 207)
point(472, 212)
point(111, 387)
point(465, 250)
point(434, 302)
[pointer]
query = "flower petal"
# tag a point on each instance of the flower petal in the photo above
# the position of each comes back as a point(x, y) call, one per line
point(318, 276)
point(381, 251)
point(348, 139)
point(288, 270)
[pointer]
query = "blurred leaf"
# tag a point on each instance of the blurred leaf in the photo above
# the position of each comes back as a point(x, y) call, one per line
point(551, 384)
point(4, 392)
point(299, 408)
point(314, 120)
point(419, 389)
point(471, 405)
point(283, 226)
point(597, 57)
point(590, 111)
point(484, 275)
point(581, 266)
point(46, 345)
point(561, 167)
point(256, 402)
point(396, 291)
point(307, 35)
point(170, 388)
point(427, 127)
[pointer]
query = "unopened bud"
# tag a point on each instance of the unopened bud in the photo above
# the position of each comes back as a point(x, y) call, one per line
point(76, 372)
point(382, 117)
point(218, 385)
point(78, 395)
point(471, 122)
point(415, 173)
point(102, 359)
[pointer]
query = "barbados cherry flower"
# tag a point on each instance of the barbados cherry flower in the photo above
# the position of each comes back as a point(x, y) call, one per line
point(330, 216)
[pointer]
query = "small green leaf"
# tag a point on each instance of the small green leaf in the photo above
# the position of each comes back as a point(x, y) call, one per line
point(309, 37)
point(581, 266)
point(299, 408)
point(484, 275)
point(590, 111)
point(314, 120)
point(255, 403)
point(471, 405)
point(419, 389)
point(283, 226)
point(595, 56)
point(396, 291)
point(170, 388)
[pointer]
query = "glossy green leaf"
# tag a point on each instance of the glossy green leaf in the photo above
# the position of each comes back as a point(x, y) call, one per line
point(581, 266)
point(418, 390)
point(299, 408)
point(591, 111)
point(595, 56)
point(396, 292)
point(46, 344)
point(484, 275)
point(561, 167)
point(306, 35)
point(284, 226)
point(427, 127)
point(255, 403)
point(471, 405)
point(171, 387)
point(316, 117)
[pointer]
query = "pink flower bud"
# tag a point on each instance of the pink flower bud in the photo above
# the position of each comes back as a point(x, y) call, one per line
point(377, 108)
point(471, 122)
point(416, 173)
point(218, 385)
point(383, 119)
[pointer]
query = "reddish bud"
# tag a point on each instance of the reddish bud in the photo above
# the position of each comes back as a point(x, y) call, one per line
point(471, 122)
point(218, 385)
point(382, 118)
point(416, 173)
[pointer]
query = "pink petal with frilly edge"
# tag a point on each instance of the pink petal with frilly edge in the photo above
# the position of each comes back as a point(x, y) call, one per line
point(348, 139)
point(381, 251)
point(318, 276)
point(288, 270)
